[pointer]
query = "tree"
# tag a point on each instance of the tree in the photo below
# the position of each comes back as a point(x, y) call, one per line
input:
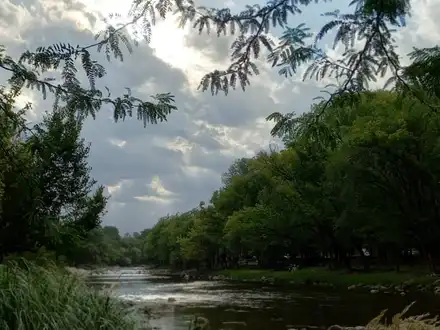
point(111, 232)
point(366, 35)
point(238, 168)
point(365, 193)
point(202, 244)
point(359, 171)
point(49, 198)
point(392, 160)
point(19, 200)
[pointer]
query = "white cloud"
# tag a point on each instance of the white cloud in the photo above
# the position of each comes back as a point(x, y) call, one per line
point(159, 193)
point(155, 199)
point(157, 187)
point(116, 189)
point(117, 142)
point(113, 188)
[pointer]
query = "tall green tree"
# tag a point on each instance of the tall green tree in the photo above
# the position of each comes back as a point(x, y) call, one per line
point(49, 198)
point(359, 188)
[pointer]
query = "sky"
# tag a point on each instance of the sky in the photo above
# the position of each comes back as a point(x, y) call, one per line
point(172, 166)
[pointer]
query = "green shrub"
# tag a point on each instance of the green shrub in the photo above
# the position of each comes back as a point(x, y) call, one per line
point(50, 298)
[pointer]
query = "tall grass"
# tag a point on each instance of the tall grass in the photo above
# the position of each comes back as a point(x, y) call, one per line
point(46, 297)
point(402, 322)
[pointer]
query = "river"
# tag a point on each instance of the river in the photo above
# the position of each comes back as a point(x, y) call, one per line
point(253, 306)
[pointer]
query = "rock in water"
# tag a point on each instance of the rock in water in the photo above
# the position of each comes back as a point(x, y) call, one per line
point(335, 327)
point(338, 327)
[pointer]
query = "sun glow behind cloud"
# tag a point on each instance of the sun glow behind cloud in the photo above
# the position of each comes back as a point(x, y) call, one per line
point(168, 43)
point(167, 40)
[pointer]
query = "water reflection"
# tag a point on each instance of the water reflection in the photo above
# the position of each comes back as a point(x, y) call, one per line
point(258, 307)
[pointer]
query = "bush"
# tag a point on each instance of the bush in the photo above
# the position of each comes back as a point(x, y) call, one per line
point(48, 297)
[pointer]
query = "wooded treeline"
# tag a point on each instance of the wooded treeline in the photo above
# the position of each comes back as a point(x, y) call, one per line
point(105, 246)
point(361, 183)
point(50, 206)
point(359, 174)
point(357, 187)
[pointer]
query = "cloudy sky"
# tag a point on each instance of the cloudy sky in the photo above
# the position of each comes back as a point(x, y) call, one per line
point(170, 167)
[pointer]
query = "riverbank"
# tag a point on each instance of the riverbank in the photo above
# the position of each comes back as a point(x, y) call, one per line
point(375, 281)
point(170, 303)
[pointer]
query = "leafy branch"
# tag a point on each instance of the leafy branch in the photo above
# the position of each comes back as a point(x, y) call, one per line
point(357, 68)
point(252, 26)
point(27, 71)
point(424, 72)
point(372, 22)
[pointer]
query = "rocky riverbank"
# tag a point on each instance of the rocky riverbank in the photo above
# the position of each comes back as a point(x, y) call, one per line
point(401, 289)
point(392, 283)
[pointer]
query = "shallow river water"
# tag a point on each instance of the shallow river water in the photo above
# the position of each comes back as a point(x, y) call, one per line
point(252, 306)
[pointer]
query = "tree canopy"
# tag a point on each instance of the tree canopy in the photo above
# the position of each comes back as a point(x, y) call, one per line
point(48, 198)
point(367, 191)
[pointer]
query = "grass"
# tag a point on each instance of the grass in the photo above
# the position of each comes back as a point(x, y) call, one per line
point(46, 297)
point(334, 277)
point(399, 321)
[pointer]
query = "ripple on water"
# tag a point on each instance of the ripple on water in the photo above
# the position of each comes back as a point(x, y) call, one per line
point(198, 293)
point(138, 285)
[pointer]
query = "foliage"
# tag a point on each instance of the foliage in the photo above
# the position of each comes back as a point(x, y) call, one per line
point(366, 35)
point(359, 175)
point(359, 188)
point(400, 321)
point(104, 246)
point(357, 182)
point(25, 289)
point(36, 69)
point(48, 198)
